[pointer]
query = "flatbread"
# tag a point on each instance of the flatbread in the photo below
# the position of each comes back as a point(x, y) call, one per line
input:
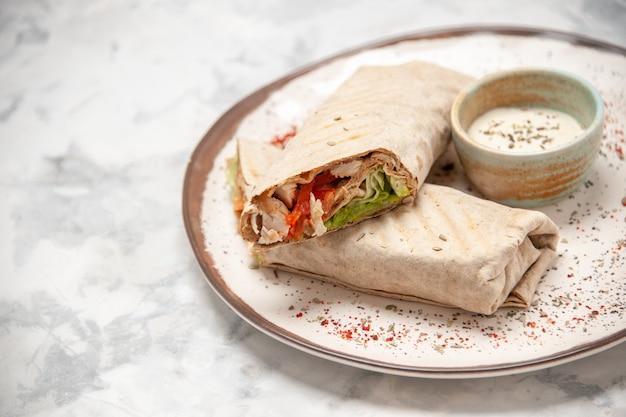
point(391, 120)
point(448, 248)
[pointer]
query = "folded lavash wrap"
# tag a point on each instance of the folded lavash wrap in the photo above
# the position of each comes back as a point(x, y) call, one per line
point(446, 248)
point(366, 150)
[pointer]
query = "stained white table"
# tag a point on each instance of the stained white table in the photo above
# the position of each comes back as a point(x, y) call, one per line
point(103, 309)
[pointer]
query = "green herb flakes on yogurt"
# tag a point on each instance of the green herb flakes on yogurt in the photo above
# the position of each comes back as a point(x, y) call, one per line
point(524, 129)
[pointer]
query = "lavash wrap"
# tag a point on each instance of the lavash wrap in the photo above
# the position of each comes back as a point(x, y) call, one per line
point(395, 116)
point(448, 248)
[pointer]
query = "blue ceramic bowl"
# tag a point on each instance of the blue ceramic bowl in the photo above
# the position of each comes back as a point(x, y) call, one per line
point(529, 178)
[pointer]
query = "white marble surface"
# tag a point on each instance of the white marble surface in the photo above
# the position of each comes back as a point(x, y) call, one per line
point(103, 310)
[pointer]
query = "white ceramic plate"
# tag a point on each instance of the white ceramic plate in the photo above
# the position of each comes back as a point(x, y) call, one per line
point(580, 306)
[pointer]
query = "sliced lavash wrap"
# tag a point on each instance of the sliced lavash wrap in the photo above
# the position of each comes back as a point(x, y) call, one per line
point(446, 248)
point(366, 150)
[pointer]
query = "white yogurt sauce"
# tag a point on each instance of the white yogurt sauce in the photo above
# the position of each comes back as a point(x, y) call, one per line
point(524, 129)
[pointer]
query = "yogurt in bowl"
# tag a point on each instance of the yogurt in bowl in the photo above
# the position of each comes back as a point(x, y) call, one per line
point(528, 137)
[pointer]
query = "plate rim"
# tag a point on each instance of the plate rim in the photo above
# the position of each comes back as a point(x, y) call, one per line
point(201, 163)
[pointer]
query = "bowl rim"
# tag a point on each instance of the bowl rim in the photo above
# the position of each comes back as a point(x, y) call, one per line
point(460, 134)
